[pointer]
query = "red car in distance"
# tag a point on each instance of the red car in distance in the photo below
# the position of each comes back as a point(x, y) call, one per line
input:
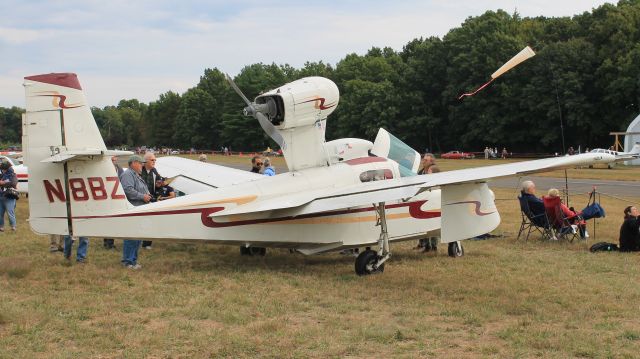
point(457, 155)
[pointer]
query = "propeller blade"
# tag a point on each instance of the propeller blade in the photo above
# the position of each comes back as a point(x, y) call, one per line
point(270, 129)
point(238, 91)
point(266, 125)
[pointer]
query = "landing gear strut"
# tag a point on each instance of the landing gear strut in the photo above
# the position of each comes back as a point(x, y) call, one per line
point(370, 261)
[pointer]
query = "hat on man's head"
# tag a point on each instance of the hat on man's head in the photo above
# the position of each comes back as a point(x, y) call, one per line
point(136, 158)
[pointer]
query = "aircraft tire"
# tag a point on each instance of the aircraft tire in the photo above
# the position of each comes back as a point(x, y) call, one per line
point(364, 259)
point(455, 249)
point(258, 251)
point(253, 251)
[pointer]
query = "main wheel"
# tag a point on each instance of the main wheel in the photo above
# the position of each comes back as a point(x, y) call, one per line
point(455, 249)
point(365, 262)
point(253, 251)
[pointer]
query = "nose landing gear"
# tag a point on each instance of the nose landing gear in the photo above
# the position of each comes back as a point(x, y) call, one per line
point(370, 261)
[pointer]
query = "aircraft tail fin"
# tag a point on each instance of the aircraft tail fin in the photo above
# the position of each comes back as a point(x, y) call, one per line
point(636, 149)
point(71, 177)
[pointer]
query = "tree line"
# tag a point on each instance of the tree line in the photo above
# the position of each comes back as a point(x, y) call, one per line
point(585, 77)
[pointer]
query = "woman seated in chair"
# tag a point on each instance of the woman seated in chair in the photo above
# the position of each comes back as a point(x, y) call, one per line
point(561, 216)
point(629, 235)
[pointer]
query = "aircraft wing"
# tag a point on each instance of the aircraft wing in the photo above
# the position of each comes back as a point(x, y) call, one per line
point(191, 176)
point(406, 187)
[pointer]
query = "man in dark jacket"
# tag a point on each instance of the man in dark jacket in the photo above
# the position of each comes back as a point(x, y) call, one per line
point(150, 175)
point(256, 164)
point(529, 194)
point(630, 231)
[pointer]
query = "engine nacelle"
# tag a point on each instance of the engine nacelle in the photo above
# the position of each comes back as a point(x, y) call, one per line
point(299, 103)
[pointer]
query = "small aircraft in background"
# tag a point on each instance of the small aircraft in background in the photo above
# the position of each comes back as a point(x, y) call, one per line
point(621, 156)
point(341, 194)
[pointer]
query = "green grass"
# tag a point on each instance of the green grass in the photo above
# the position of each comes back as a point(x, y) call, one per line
point(504, 298)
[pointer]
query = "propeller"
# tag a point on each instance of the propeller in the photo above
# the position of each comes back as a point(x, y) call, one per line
point(261, 112)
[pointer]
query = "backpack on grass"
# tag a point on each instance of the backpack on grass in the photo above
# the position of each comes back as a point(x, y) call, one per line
point(604, 247)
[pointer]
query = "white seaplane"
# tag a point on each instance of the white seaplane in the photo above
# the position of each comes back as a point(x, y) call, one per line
point(341, 194)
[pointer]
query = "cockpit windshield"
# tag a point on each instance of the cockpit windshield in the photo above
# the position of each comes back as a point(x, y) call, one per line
point(389, 146)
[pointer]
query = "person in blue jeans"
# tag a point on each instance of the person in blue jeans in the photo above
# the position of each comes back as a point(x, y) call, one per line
point(137, 193)
point(81, 255)
point(8, 179)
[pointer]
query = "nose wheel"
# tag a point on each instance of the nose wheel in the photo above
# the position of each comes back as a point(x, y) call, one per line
point(370, 261)
point(367, 263)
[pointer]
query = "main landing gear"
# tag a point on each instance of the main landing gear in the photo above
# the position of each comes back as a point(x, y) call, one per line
point(455, 249)
point(370, 261)
point(253, 251)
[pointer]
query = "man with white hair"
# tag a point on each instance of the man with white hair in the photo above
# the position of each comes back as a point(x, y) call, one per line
point(529, 194)
point(150, 175)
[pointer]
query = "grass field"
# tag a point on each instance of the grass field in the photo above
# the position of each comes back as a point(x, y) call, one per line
point(504, 298)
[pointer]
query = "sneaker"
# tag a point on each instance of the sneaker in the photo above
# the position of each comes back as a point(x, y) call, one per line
point(134, 266)
point(53, 249)
point(13, 229)
point(147, 247)
point(586, 234)
point(574, 228)
point(1, 229)
point(81, 260)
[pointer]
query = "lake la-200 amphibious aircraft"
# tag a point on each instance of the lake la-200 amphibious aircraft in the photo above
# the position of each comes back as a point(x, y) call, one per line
point(341, 194)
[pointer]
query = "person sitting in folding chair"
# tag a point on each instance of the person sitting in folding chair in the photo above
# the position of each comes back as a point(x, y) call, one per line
point(563, 219)
point(533, 212)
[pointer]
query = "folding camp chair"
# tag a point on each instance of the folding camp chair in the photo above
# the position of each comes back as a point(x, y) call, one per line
point(563, 225)
point(534, 219)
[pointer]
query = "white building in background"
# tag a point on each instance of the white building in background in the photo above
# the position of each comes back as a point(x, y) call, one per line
point(630, 140)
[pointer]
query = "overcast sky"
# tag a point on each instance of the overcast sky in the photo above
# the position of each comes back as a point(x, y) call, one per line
point(142, 48)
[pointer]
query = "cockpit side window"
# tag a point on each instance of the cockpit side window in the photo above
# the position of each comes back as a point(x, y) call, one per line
point(376, 175)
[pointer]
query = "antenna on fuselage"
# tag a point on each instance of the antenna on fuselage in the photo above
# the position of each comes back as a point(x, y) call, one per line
point(261, 112)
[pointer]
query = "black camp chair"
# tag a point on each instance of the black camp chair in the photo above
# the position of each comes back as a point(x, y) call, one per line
point(534, 219)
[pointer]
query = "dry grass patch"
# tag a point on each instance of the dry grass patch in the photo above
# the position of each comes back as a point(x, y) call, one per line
point(14, 267)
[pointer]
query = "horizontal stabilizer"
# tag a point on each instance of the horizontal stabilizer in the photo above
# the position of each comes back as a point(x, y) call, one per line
point(83, 154)
point(190, 176)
